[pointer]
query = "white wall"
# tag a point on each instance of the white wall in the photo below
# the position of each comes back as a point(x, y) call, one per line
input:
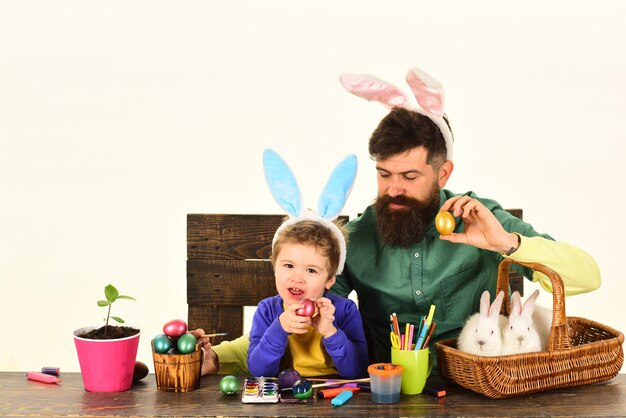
point(118, 118)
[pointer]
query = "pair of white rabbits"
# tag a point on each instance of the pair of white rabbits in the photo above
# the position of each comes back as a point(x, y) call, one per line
point(487, 333)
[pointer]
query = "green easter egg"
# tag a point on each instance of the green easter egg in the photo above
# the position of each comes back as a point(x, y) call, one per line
point(229, 385)
point(302, 389)
point(187, 343)
point(162, 343)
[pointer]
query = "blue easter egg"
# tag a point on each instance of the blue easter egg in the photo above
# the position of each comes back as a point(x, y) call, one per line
point(302, 389)
point(162, 343)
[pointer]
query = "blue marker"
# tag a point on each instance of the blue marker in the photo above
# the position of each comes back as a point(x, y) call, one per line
point(422, 335)
point(342, 398)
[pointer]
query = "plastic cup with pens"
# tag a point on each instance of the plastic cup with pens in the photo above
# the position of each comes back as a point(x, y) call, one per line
point(417, 366)
point(417, 361)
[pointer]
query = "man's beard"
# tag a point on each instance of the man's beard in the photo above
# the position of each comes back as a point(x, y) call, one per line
point(407, 226)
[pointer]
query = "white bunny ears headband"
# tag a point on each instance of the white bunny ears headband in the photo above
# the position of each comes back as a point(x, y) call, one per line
point(285, 190)
point(427, 91)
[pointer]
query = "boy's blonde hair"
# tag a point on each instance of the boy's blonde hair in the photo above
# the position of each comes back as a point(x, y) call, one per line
point(309, 232)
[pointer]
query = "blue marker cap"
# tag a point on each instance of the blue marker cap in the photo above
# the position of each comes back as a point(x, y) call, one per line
point(342, 398)
point(54, 371)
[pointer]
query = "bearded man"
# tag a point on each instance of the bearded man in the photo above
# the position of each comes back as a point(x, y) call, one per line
point(398, 262)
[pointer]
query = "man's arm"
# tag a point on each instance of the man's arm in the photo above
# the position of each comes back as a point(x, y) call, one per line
point(491, 228)
point(232, 356)
point(578, 270)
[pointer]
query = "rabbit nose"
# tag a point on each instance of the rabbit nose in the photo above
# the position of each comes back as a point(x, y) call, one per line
point(481, 343)
point(520, 339)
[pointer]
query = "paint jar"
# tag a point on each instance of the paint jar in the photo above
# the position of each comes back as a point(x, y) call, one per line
point(385, 382)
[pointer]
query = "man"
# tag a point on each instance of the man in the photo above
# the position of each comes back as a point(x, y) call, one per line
point(397, 261)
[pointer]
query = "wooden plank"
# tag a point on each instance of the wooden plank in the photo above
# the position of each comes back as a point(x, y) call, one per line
point(518, 213)
point(230, 237)
point(214, 319)
point(516, 280)
point(22, 397)
point(229, 282)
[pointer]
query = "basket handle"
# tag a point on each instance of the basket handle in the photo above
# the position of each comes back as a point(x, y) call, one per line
point(559, 332)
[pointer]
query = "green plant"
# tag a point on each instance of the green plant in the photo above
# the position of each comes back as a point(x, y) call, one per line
point(111, 294)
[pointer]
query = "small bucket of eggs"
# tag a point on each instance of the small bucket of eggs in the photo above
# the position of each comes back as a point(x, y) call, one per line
point(177, 358)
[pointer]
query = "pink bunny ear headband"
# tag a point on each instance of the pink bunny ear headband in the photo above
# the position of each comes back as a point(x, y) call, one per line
point(427, 91)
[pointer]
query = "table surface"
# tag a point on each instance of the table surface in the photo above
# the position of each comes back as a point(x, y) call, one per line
point(22, 397)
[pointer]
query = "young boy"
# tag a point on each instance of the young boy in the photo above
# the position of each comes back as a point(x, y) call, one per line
point(308, 251)
point(306, 256)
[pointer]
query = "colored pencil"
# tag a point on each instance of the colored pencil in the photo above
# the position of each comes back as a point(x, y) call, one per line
point(396, 328)
point(418, 331)
point(431, 313)
point(430, 334)
point(411, 330)
point(406, 336)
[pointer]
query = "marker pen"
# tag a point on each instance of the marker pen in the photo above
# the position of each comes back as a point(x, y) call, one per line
point(55, 371)
point(42, 377)
point(342, 398)
point(331, 393)
point(436, 392)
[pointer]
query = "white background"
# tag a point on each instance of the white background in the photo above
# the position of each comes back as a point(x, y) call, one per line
point(119, 118)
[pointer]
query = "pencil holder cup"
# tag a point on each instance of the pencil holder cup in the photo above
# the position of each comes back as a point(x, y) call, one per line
point(178, 372)
point(385, 381)
point(417, 367)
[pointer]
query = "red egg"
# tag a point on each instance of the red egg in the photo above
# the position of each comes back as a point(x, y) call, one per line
point(175, 328)
point(308, 310)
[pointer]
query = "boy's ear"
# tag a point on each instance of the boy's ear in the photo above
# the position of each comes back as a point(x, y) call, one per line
point(330, 282)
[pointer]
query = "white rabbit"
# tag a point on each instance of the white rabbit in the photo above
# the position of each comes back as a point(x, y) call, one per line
point(482, 333)
point(528, 327)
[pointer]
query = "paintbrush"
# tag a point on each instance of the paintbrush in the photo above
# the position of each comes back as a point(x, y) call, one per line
point(334, 383)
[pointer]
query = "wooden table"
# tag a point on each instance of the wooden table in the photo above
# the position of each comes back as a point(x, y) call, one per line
point(21, 397)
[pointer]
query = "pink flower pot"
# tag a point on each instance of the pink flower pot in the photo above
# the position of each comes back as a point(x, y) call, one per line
point(106, 365)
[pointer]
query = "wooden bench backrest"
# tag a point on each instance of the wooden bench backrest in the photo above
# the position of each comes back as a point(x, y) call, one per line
point(228, 268)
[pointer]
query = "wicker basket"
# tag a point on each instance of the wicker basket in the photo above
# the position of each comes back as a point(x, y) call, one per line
point(579, 352)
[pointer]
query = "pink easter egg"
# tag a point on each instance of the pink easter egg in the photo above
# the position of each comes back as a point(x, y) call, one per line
point(175, 328)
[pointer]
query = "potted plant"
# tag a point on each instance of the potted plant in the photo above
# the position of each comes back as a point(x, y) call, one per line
point(107, 354)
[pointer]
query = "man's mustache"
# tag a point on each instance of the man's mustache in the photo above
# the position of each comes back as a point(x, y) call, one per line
point(397, 200)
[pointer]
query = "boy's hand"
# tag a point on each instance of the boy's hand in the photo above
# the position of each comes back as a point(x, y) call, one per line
point(210, 362)
point(323, 322)
point(292, 323)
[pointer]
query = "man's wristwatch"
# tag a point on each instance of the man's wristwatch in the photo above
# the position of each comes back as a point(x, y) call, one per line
point(513, 249)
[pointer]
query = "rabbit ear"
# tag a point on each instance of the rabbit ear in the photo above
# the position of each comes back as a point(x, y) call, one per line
point(516, 304)
point(484, 303)
point(338, 187)
point(374, 89)
point(427, 91)
point(494, 311)
point(282, 183)
point(529, 304)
